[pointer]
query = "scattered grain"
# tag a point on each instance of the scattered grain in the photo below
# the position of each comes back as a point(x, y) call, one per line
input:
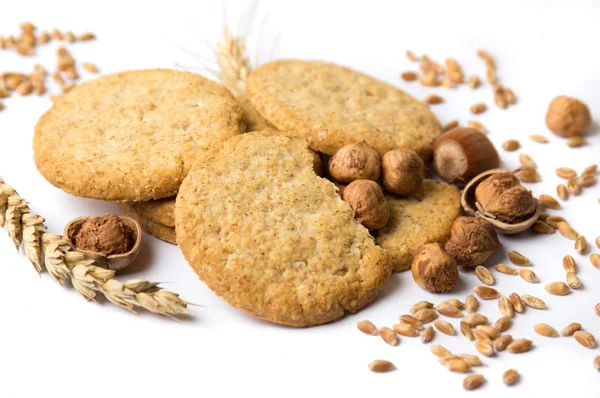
point(477, 125)
point(528, 275)
point(549, 202)
point(546, 330)
point(502, 324)
point(581, 245)
point(466, 330)
point(458, 365)
point(518, 259)
point(510, 377)
point(557, 288)
point(89, 67)
point(597, 362)
point(517, 303)
point(473, 382)
point(595, 260)
point(573, 186)
point(573, 281)
point(367, 327)
point(587, 180)
point(389, 336)
point(484, 347)
point(532, 302)
point(511, 145)
point(381, 366)
point(471, 304)
point(597, 309)
point(565, 172)
point(404, 329)
point(576, 141)
point(570, 329)
point(426, 315)
point(449, 310)
point(427, 335)
point(519, 346)
point(444, 327)
point(434, 99)
point(484, 275)
point(554, 220)
point(505, 306)
point(411, 320)
point(451, 125)
point(529, 176)
point(562, 191)
point(454, 302)
point(486, 293)
point(411, 56)
point(440, 351)
point(474, 319)
point(586, 339)
point(420, 305)
point(502, 342)
point(538, 138)
point(478, 108)
point(567, 231)
point(569, 263)
point(474, 81)
point(541, 227)
point(505, 269)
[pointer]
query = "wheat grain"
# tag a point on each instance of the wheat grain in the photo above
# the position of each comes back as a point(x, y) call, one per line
point(510, 377)
point(511, 145)
point(570, 329)
point(411, 320)
point(505, 269)
point(473, 382)
point(427, 335)
point(381, 366)
point(367, 327)
point(546, 330)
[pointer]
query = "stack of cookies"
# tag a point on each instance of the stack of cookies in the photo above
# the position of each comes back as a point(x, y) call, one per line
point(252, 215)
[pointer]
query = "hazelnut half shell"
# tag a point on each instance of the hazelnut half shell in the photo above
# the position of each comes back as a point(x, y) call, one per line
point(468, 203)
point(115, 262)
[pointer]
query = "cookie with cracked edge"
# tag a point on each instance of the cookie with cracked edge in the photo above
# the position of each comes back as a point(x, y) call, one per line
point(156, 229)
point(132, 136)
point(273, 239)
point(424, 217)
point(332, 106)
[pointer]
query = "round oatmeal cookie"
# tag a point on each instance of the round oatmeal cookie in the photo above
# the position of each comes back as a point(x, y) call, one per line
point(160, 231)
point(132, 136)
point(160, 211)
point(332, 106)
point(264, 232)
point(424, 217)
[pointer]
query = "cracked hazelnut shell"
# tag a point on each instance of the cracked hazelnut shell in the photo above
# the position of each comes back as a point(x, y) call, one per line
point(462, 153)
point(434, 269)
point(357, 161)
point(568, 117)
point(402, 171)
point(472, 241)
point(367, 200)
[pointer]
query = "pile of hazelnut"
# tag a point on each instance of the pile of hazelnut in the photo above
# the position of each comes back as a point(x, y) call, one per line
point(401, 172)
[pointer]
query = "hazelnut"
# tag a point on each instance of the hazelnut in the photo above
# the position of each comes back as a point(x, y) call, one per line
point(105, 234)
point(434, 269)
point(472, 241)
point(462, 153)
point(357, 161)
point(503, 196)
point(568, 116)
point(367, 200)
point(402, 171)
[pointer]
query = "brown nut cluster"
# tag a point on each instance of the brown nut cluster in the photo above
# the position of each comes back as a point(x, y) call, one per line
point(402, 171)
point(462, 153)
point(434, 269)
point(568, 117)
point(502, 196)
point(357, 161)
point(105, 234)
point(367, 200)
point(472, 241)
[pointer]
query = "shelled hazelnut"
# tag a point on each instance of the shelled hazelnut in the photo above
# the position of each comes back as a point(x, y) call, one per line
point(568, 117)
point(472, 241)
point(434, 269)
point(357, 161)
point(367, 200)
point(402, 171)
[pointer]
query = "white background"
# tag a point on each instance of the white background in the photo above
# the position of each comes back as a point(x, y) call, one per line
point(53, 342)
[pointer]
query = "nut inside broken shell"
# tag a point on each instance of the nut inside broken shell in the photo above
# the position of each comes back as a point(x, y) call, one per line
point(115, 262)
point(472, 208)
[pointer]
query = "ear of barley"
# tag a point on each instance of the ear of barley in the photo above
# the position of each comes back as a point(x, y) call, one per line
point(427, 335)
point(389, 336)
point(570, 329)
point(516, 302)
point(510, 377)
point(33, 227)
point(16, 208)
point(420, 305)
point(502, 342)
point(533, 302)
point(381, 366)
point(473, 382)
point(517, 258)
point(586, 339)
point(367, 327)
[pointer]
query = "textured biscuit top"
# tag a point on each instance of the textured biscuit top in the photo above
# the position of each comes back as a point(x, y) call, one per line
point(263, 231)
point(161, 211)
point(131, 136)
point(332, 106)
point(424, 217)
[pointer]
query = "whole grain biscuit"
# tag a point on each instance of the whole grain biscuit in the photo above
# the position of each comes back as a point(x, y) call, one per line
point(424, 217)
point(160, 231)
point(160, 211)
point(264, 232)
point(254, 121)
point(132, 136)
point(332, 106)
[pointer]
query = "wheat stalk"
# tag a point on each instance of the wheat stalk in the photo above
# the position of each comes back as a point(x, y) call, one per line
point(63, 262)
point(234, 63)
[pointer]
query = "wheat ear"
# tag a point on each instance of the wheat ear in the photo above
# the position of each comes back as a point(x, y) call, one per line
point(234, 64)
point(63, 262)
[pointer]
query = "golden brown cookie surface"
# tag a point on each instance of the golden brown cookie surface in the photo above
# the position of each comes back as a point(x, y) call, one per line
point(132, 136)
point(263, 231)
point(424, 217)
point(161, 231)
point(160, 211)
point(332, 106)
